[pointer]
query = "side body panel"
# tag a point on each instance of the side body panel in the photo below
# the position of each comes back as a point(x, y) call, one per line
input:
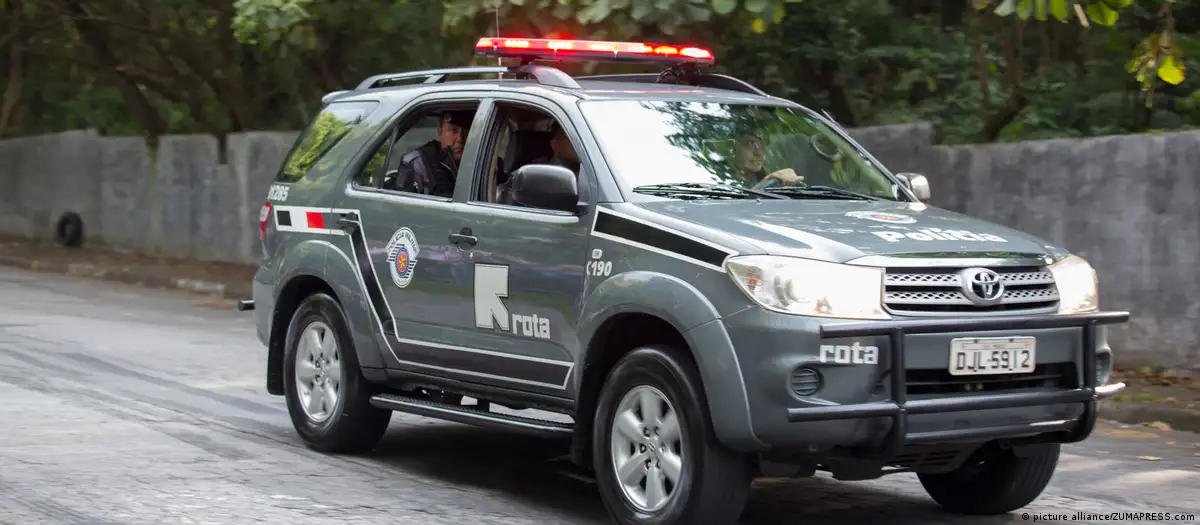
point(671, 274)
point(526, 277)
point(304, 239)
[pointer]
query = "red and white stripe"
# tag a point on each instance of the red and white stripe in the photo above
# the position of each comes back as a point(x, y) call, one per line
point(306, 220)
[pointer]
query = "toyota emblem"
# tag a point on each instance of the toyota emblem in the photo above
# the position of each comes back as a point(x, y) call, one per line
point(982, 286)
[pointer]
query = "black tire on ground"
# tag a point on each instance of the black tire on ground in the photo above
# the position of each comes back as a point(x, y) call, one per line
point(715, 481)
point(1002, 483)
point(69, 230)
point(356, 426)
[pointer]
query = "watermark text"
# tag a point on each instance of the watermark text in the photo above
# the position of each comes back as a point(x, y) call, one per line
point(1107, 516)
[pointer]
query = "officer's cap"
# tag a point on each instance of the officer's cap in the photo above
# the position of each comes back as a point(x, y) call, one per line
point(461, 119)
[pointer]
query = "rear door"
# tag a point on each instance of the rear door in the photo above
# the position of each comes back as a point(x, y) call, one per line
point(409, 270)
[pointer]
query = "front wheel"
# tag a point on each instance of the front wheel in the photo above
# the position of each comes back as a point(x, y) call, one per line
point(1000, 483)
point(327, 396)
point(656, 457)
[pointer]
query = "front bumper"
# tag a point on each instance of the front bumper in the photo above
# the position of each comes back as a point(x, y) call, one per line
point(897, 407)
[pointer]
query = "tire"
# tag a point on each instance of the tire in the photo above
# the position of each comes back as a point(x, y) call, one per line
point(69, 230)
point(711, 487)
point(1001, 483)
point(350, 425)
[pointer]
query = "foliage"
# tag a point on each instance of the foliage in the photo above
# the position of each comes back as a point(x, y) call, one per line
point(984, 70)
point(1158, 54)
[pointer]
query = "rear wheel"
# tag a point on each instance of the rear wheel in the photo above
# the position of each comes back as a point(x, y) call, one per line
point(656, 457)
point(1002, 482)
point(327, 396)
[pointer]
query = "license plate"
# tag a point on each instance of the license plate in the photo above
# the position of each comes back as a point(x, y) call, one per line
point(992, 355)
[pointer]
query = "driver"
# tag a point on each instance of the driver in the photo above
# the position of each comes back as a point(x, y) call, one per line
point(750, 160)
point(432, 168)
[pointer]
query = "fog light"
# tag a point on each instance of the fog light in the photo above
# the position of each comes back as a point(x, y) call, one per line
point(805, 381)
point(1103, 368)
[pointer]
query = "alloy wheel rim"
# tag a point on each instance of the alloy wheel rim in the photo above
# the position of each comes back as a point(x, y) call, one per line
point(647, 448)
point(318, 372)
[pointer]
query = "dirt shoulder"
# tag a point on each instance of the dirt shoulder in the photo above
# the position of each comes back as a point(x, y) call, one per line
point(1160, 399)
point(225, 280)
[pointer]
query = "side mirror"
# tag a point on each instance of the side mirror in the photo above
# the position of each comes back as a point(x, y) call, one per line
point(544, 186)
point(917, 183)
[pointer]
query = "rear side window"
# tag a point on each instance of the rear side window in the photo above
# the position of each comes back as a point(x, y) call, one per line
point(325, 131)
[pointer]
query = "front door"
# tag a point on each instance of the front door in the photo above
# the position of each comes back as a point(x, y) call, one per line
point(527, 266)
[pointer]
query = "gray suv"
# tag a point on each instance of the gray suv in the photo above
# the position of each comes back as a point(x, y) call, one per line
point(693, 282)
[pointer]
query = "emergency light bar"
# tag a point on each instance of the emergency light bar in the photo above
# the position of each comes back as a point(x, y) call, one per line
point(545, 48)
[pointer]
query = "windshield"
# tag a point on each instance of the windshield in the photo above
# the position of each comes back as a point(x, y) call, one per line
point(655, 145)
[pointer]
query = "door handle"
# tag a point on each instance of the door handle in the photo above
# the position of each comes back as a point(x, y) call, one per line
point(464, 237)
point(348, 222)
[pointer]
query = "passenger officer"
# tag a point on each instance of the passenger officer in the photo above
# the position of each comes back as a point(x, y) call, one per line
point(432, 168)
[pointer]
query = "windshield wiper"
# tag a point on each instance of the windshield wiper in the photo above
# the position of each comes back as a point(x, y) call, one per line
point(822, 191)
point(706, 188)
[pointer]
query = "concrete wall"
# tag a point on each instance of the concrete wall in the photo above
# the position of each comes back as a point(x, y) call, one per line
point(1126, 203)
point(175, 202)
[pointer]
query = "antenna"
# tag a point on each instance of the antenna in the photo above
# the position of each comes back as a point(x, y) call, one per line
point(499, 61)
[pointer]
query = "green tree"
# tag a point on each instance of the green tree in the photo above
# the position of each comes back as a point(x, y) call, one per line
point(1157, 55)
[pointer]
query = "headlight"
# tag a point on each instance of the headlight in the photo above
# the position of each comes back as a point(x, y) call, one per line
point(1077, 285)
point(804, 287)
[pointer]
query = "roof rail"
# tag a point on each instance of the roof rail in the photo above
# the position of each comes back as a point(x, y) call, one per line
point(331, 95)
point(712, 80)
point(545, 75)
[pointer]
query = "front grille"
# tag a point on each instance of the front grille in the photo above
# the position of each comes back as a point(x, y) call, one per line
point(940, 381)
point(923, 291)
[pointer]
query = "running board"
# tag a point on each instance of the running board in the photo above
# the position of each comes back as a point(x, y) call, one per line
point(471, 415)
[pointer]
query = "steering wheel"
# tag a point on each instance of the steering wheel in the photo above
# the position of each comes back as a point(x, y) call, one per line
point(815, 138)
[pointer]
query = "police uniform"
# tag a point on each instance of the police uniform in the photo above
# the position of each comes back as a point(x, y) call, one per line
point(431, 169)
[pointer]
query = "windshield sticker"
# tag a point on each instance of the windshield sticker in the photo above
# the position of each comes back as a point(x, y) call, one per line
point(890, 218)
point(938, 234)
point(402, 253)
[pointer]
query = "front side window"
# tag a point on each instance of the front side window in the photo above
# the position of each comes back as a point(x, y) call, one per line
point(698, 149)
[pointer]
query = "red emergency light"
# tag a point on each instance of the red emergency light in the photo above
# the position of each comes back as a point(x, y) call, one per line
point(556, 49)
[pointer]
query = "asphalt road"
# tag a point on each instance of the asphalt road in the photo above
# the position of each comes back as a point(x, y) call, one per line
point(121, 405)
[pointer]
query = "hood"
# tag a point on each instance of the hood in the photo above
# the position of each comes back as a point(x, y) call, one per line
point(841, 230)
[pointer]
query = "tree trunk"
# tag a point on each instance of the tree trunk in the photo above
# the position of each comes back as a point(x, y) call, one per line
point(839, 102)
point(93, 38)
point(16, 62)
point(1014, 72)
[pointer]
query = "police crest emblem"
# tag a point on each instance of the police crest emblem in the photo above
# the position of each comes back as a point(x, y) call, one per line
point(882, 217)
point(402, 253)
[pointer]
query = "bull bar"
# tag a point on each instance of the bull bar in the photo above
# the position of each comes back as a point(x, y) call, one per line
point(898, 407)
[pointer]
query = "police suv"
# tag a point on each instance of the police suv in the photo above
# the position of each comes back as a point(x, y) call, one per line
point(711, 284)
